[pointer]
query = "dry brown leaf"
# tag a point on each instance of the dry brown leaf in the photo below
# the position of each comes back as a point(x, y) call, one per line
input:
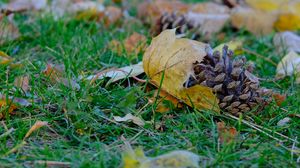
point(170, 60)
point(130, 118)
point(256, 21)
point(149, 11)
point(279, 98)
point(164, 96)
point(83, 9)
point(289, 66)
point(36, 126)
point(134, 44)
point(22, 82)
point(55, 74)
point(208, 23)
point(112, 15)
point(23, 5)
point(8, 31)
point(287, 41)
point(226, 134)
point(118, 73)
point(6, 105)
point(209, 8)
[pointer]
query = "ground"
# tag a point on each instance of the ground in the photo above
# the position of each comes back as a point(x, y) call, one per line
point(82, 130)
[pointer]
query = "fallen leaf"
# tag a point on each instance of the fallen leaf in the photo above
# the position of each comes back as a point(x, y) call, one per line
point(209, 8)
point(279, 98)
point(119, 73)
point(55, 74)
point(163, 96)
point(8, 31)
point(289, 66)
point(284, 121)
point(288, 21)
point(174, 159)
point(226, 134)
point(6, 105)
point(134, 44)
point(22, 82)
point(81, 9)
point(255, 21)
point(4, 58)
point(36, 126)
point(112, 15)
point(130, 118)
point(208, 23)
point(168, 63)
point(287, 41)
point(150, 11)
point(23, 5)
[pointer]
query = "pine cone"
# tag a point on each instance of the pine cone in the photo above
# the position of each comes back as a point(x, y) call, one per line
point(231, 80)
point(179, 21)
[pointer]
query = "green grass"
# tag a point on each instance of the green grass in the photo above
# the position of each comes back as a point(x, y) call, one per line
point(80, 120)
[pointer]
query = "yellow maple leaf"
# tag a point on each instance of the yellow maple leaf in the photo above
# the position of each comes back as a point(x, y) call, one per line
point(168, 62)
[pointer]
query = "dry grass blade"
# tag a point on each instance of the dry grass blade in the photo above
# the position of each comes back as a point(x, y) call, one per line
point(36, 126)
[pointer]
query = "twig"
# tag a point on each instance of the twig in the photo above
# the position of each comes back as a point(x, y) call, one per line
point(53, 163)
point(254, 127)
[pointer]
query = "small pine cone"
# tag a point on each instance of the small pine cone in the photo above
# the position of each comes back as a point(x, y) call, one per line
point(231, 80)
point(179, 21)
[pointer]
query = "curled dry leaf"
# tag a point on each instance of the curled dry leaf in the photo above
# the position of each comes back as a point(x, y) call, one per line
point(168, 62)
point(150, 11)
point(226, 134)
point(174, 159)
point(36, 126)
point(289, 66)
point(287, 41)
point(118, 73)
point(130, 118)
